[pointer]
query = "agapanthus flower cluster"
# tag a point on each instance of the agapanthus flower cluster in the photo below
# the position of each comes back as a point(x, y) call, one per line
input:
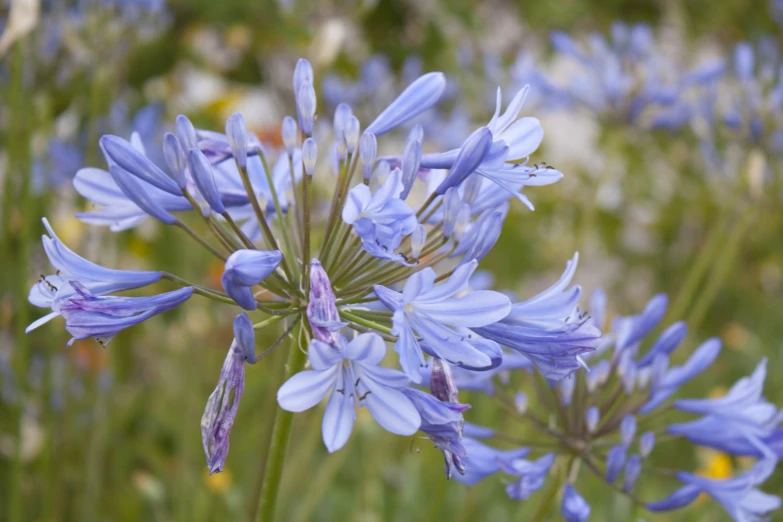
point(607, 421)
point(387, 273)
point(386, 301)
point(628, 79)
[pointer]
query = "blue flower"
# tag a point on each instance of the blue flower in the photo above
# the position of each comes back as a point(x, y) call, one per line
point(415, 99)
point(350, 375)
point(532, 475)
point(545, 329)
point(574, 507)
point(738, 496)
point(666, 383)
point(223, 403)
point(52, 290)
point(245, 269)
point(484, 460)
point(434, 311)
point(103, 317)
point(381, 219)
point(741, 420)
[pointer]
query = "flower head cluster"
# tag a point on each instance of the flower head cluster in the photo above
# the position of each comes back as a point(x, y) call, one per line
point(609, 418)
point(389, 272)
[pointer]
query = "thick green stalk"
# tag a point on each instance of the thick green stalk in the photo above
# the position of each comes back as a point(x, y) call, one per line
point(278, 444)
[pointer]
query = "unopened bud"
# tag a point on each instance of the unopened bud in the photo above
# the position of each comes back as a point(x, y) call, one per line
point(368, 151)
point(236, 130)
point(305, 106)
point(352, 129)
point(520, 402)
point(418, 239)
point(442, 382)
point(309, 155)
point(288, 133)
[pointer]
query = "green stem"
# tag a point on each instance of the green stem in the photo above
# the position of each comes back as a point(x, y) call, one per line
point(279, 211)
point(278, 444)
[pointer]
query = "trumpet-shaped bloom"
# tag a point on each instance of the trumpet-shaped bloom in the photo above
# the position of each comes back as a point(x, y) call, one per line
point(381, 219)
point(349, 374)
point(667, 384)
point(743, 413)
point(223, 403)
point(50, 291)
point(545, 330)
point(246, 268)
point(103, 317)
point(738, 495)
point(433, 311)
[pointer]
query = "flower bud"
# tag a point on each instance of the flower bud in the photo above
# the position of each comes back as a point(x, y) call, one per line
point(245, 337)
point(288, 133)
point(592, 416)
point(134, 189)
point(309, 155)
point(174, 155)
point(305, 107)
point(368, 151)
point(123, 154)
point(633, 469)
point(471, 189)
point(236, 130)
point(411, 159)
point(416, 134)
point(468, 160)
point(418, 239)
point(574, 507)
point(627, 430)
point(520, 402)
point(567, 386)
point(303, 73)
point(204, 179)
point(322, 306)
point(646, 443)
point(185, 132)
point(461, 222)
point(245, 269)
point(221, 409)
point(615, 460)
point(352, 129)
point(451, 207)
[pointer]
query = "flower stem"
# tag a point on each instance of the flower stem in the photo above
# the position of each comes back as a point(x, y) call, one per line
point(278, 444)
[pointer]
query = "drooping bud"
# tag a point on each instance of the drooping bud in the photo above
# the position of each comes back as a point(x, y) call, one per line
point(646, 443)
point(204, 178)
point(520, 402)
point(592, 416)
point(352, 130)
point(236, 130)
point(415, 99)
point(309, 155)
point(288, 133)
point(186, 132)
point(305, 107)
point(245, 337)
point(322, 310)
point(411, 159)
point(418, 239)
point(442, 381)
point(174, 155)
point(627, 430)
point(245, 269)
point(221, 409)
point(368, 151)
